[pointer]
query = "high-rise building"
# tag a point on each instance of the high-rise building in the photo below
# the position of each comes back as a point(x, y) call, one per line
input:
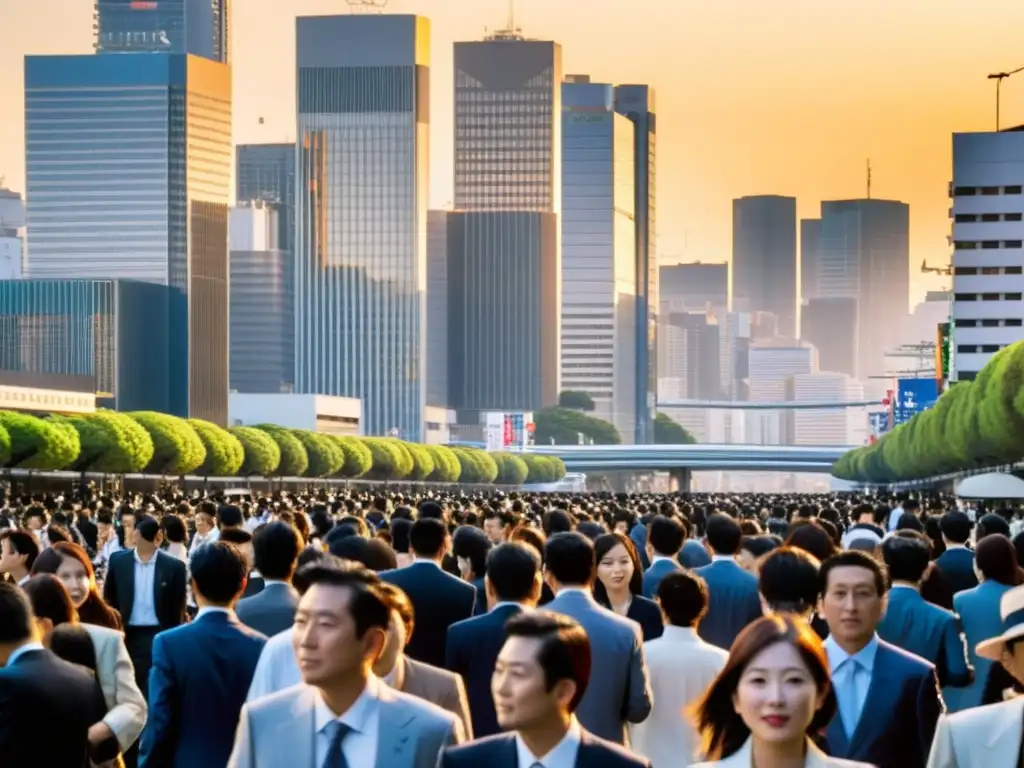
point(842, 426)
point(147, 141)
point(260, 332)
point(599, 276)
point(988, 256)
point(361, 261)
point(694, 286)
point(772, 364)
point(437, 308)
point(830, 325)
point(764, 260)
point(638, 104)
point(810, 237)
point(12, 229)
point(691, 353)
point(197, 27)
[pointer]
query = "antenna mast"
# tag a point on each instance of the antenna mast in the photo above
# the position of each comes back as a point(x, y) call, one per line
point(869, 178)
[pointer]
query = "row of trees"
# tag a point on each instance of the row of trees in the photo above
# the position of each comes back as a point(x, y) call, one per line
point(564, 424)
point(974, 424)
point(156, 443)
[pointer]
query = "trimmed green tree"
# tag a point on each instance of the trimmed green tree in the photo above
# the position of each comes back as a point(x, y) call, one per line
point(446, 464)
point(422, 461)
point(224, 453)
point(112, 443)
point(326, 458)
point(575, 400)
point(358, 459)
point(668, 432)
point(512, 469)
point(561, 426)
point(37, 443)
point(294, 459)
point(262, 454)
point(5, 444)
point(177, 449)
point(390, 462)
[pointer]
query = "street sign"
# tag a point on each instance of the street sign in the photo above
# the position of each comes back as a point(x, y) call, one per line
point(912, 397)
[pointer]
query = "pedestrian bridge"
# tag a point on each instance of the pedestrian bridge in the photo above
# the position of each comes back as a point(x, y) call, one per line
point(696, 458)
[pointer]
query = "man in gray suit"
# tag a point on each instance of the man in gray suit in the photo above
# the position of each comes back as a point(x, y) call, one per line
point(276, 548)
point(619, 691)
point(342, 716)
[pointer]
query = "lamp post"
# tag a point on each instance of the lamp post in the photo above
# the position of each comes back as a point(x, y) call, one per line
point(999, 77)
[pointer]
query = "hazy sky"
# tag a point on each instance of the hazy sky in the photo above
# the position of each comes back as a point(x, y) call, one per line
point(754, 96)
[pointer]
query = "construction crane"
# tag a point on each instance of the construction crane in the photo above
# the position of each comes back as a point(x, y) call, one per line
point(925, 269)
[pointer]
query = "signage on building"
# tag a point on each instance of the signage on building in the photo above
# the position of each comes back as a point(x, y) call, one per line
point(46, 400)
point(912, 397)
point(494, 430)
point(879, 422)
point(508, 430)
point(589, 118)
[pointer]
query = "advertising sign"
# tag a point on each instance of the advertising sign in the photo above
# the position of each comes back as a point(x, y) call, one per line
point(912, 397)
point(879, 422)
point(494, 430)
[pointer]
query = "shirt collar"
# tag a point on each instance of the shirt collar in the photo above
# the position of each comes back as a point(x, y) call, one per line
point(570, 590)
point(208, 609)
point(270, 582)
point(502, 603)
point(865, 656)
point(152, 560)
point(950, 546)
point(24, 579)
point(358, 715)
point(563, 754)
point(680, 634)
point(659, 558)
point(723, 558)
point(416, 560)
point(22, 650)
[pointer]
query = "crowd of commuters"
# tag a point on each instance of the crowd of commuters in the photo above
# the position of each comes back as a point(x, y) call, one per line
point(449, 630)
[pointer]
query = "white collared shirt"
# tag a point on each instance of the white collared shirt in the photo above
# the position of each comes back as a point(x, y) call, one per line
point(203, 538)
point(563, 755)
point(24, 579)
point(208, 609)
point(659, 558)
point(723, 558)
point(23, 649)
point(581, 590)
point(177, 549)
point(276, 669)
point(434, 563)
point(110, 546)
point(144, 601)
point(363, 717)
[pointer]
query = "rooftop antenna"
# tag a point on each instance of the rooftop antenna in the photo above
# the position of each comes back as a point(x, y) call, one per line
point(366, 6)
point(869, 178)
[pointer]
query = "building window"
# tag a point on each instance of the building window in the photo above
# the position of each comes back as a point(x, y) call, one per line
point(965, 245)
point(1013, 322)
point(1013, 190)
point(965, 191)
point(965, 218)
point(1012, 244)
point(1012, 296)
point(989, 322)
point(1012, 270)
point(990, 190)
point(966, 323)
point(990, 348)
point(966, 375)
point(989, 244)
point(990, 217)
point(1012, 217)
point(990, 297)
point(965, 297)
point(964, 271)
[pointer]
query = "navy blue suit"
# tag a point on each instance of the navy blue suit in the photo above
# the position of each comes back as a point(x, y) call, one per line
point(898, 719)
point(647, 614)
point(471, 650)
point(638, 534)
point(481, 597)
point(500, 752)
point(199, 681)
point(957, 565)
point(734, 602)
point(933, 633)
point(693, 555)
point(652, 576)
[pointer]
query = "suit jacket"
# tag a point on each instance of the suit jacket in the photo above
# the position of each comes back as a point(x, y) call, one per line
point(169, 586)
point(125, 704)
point(638, 533)
point(46, 708)
point(438, 686)
point(270, 611)
point(499, 751)
point(652, 576)
point(985, 737)
point(481, 597)
point(647, 614)
point(734, 601)
point(693, 555)
point(933, 633)
point(899, 716)
point(978, 610)
point(279, 731)
point(815, 758)
point(957, 564)
point(200, 677)
point(619, 689)
point(681, 667)
point(439, 600)
point(253, 585)
point(471, 651)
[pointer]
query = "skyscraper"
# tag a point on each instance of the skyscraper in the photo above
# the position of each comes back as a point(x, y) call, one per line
point(198, 27)
point(810, 238)
point(764, 261)
point(361, 265)
point(694, 286)
point(147, 141)
point(599, 277)
point(437, 308)
point(12, 234)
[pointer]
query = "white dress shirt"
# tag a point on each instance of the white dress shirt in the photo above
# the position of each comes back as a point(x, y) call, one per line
point(177, 549)
point(276, 669)
point(21, 650)
point(110, 546)
point(24, 579)
point(563, 755)
point(144, 600)
point(199, 539)
point(363, 718)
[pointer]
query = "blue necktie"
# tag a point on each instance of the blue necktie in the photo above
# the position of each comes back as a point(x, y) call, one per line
point(848, 697)
point(335, 755)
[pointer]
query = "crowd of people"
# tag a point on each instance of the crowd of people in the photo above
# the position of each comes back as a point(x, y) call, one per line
point(445, 629)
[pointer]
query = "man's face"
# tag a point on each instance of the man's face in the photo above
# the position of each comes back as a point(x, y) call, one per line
point(852, 606)
point(35, 523)
point(104, 531)
point(128, 523)
point(494, 529)
point(324, 637)
point(10, 560)
point(521, 698)
point(204, 523)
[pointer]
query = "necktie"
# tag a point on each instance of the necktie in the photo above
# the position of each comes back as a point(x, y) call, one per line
point(848, 695)
point(335, 756)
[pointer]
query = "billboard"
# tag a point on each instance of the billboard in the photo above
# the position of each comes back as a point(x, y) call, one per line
point(912, 397)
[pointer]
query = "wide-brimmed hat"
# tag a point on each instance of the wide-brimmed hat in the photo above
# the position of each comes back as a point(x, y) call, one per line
point(1011, 608)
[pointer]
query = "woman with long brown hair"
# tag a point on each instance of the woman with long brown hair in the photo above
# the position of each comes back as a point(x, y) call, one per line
point(773, 695)
point(69, 563)
point(619, 583)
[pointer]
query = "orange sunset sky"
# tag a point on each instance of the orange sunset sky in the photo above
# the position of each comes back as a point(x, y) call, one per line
point(754, 96)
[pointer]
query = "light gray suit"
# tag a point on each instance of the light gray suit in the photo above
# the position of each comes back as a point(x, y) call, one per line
point(269, 611)
point(619, 690)
point(278, 730)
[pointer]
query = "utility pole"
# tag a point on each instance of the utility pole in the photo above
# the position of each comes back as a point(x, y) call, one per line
point(999, 77)
point(869, 178)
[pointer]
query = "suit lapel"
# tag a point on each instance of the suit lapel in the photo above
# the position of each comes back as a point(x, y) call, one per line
point(127, 578)
point(1005, 736)
point(301, 752)
point(396, 745)
point(876, 701)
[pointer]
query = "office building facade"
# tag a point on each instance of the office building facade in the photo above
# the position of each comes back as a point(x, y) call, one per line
point(599, 280)
point(128, 162)
point(842, 426)
point(830, 325)
point(764, 259)
point(437, 308)
point(771, 365)
point(692, 355)
point(12, 231)
point(361, 214)
point(197, 27)
point(810, 238)
point(694, 287)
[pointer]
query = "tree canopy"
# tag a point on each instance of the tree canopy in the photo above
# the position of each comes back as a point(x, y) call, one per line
point(668, 432)
point(562, 426)
point(578, 401)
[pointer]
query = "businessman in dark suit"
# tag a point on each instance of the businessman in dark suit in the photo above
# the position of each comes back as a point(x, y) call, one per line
point(957, 562)
point(540, 678)
point(665, 537)
point(444, 598)
point(202, 671)
point(734, 597)
point(513, 582)
point(276, 548)
point(46, 704)
point(888, 699)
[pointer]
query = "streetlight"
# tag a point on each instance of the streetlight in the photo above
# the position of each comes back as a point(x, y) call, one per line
point(999, 77)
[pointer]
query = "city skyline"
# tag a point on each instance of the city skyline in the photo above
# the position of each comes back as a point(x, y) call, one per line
point(752, 137)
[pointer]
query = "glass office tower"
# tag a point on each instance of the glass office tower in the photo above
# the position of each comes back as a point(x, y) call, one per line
point(128, 174)
point(764, 258)
point(199, 27)
point(361, 214)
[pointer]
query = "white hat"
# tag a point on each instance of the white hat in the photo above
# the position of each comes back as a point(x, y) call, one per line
point(1011, 608)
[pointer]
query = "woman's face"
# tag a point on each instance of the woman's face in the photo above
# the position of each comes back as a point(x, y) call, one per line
point(777, 696)
point(615, 569)
point(75, 578)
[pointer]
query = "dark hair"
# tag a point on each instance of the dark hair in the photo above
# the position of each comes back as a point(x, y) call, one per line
point(758, 546)
point(50, 599)
point(788, 579)
point(235, 536)
point(147, 527)
point(427, 537)
point(990, 524)
point(23, 543)
point(174, 529)
point(94, 610)
point(218, 572)
point(605, 544)
point(380, 556)
point(73, 643)
point(529, 536)
point(16, 619)
point(683, 596)
point(229, 516)
point(591, 529)
point(723, 534)
point(665, 535)
point(812, 538)
point(715, 716)
point(564, 647)
point(997, 560)
point(307, 556)
point(276, 548)
point(556, 521)
point(369, 607)
point(569, 557)
point(512, 570)
point(906, 555)
point(358, 523)
point(472, 544)
point(400, 603)
point(852, 559)
point(431, 510)
point(955, 526)
point(400, 529)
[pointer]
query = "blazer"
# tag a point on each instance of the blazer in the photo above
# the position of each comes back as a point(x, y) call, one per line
point(693, 555)
point(933, 633)
point(978, 609)
point(270, 611)
point(444, 598)
point(957, 564)
point(481, 597)
point(619, 689)
point(899, 715)
point(279, 731)
point(734, 601)
point(638, 533)
point(46, 708)
point(647, 614)
point(815, 758)
point(199, 680)
point(984, 737)
point(652, 576)
point(170, 584)
point(438, 686)
point(500, 751)
point(471, 651)
point(126, 706)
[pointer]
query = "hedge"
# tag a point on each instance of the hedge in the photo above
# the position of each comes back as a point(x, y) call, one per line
point(975, 424)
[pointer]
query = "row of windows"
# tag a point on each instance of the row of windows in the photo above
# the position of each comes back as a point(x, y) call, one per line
point(972, 245)
point(966, 271)
point(990, 322)
point(986, 297)
point(967, 349)
point(967, 218)
point(1013, 189)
